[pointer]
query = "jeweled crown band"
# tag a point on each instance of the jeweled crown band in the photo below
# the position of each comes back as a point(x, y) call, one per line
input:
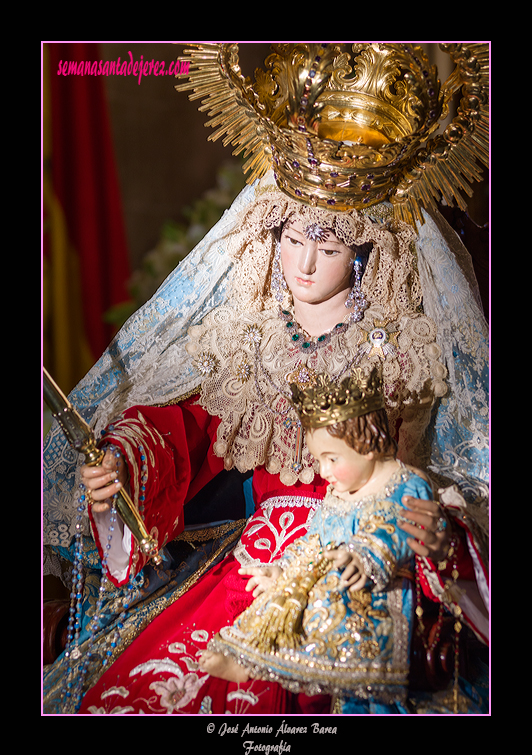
point(347, 126)
point(326, 403)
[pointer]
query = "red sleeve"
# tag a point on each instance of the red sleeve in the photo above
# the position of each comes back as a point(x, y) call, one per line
point(169, 455)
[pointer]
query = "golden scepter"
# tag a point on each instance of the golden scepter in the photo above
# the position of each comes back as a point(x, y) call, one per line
point(81, 438)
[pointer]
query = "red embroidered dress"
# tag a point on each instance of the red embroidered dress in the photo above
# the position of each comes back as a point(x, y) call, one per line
point(159, 672)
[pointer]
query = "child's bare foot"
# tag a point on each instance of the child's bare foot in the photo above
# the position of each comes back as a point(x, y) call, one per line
point(217, 664)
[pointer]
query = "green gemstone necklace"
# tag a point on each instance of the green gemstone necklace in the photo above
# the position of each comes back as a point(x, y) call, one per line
point(302, 340)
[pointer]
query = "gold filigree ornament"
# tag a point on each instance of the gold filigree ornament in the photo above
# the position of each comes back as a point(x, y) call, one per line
point(252, 335)
point(346, 126)
point(304, 377)
point(243, 372)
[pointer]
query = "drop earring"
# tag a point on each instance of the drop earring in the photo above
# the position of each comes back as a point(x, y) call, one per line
point(356, 298)
point(278, 283)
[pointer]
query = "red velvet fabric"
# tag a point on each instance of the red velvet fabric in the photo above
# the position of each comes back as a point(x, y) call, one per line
point(158, 673)
point(169, 462)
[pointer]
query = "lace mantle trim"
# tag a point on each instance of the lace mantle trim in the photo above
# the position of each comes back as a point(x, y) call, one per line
point(246, 360)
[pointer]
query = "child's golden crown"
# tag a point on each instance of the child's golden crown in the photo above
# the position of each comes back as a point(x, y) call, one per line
point(328, 402)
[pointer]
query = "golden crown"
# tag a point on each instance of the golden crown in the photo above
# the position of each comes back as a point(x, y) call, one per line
point(346, 126)
point(327, 402)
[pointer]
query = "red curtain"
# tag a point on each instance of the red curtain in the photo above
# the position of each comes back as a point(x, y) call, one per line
point(85, 255)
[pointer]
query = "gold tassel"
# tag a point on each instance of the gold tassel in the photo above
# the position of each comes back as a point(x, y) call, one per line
point(280, 625)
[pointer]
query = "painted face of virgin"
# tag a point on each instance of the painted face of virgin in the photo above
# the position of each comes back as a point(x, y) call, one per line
point(314, 270)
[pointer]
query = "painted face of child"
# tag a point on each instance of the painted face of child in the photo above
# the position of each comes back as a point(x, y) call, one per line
point(343, 468)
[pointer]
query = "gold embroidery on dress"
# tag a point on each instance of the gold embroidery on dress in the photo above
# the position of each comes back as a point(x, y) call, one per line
point(296, 629)
point(378, 522)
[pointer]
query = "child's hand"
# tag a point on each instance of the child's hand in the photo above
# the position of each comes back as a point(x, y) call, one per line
point(262, 577)
point(349, 564)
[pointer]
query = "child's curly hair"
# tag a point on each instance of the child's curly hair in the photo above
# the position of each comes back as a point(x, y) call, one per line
point(370, 432)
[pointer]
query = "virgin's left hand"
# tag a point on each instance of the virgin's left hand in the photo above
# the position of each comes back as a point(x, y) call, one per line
point(430, 529)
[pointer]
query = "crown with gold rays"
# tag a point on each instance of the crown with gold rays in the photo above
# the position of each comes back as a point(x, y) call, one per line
point(327, 402)
point(346, 126)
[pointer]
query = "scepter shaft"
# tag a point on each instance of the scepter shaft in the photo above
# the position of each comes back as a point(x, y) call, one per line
point(81, 438)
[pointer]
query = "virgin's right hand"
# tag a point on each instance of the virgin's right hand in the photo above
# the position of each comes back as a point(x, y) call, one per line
point(103, 482)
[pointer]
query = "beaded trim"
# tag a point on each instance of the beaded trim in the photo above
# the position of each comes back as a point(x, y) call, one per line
point(292, 501)
point(78, 660)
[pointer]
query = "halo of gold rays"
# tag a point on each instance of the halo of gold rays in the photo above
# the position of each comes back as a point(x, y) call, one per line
point(346, 126)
